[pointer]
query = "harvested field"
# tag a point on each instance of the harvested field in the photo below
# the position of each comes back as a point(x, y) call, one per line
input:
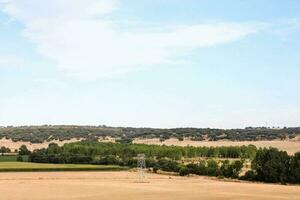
point(291, 146)
point(31, 146)
point(123, 186)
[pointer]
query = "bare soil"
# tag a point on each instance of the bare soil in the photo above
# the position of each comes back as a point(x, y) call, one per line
point(124, 186)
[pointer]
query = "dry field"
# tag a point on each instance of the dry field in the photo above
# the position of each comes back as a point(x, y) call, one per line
point(32, 146)
point(291, 146)
point(123, 186)
point(16, 145)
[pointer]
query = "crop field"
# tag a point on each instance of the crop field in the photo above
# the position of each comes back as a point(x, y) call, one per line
point(26, 166)
point(123, 185)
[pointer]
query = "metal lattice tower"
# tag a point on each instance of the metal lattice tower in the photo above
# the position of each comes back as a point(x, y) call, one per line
point(141, 167)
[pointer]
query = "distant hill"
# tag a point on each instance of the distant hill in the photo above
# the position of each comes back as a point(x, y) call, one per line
point(39, 134)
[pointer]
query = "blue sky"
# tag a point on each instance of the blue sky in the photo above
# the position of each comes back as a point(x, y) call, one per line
point(158, 63)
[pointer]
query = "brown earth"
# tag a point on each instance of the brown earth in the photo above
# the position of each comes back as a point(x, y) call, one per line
point(124, 186)
point(291, 146)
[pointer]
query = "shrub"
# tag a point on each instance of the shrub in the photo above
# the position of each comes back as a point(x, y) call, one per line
point(183, 171)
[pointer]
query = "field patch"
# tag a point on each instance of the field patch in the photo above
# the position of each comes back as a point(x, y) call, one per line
point(29, 167)
point(11, 158)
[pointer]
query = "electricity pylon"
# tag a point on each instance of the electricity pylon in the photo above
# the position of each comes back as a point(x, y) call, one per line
point(141, 167)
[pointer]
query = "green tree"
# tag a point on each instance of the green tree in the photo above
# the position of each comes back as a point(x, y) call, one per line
point(23, 150)
point(271, 165)
point(294, 174)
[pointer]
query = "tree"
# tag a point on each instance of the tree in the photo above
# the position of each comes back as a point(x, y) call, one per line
point(212, 168)
point(4, 150)
point(294, 174)
point(271, 165)
point(23, 150)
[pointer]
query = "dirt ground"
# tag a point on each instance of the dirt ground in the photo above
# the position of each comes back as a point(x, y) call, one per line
point(124, 186)
point(291, 146)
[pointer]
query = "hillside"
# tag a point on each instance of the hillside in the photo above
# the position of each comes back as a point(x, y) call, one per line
point(39, 134)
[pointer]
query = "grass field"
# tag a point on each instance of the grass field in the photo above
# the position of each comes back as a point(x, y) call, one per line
point(29, 167)
point(11, 158)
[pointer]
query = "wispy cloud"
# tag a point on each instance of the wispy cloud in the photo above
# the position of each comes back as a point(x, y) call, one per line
point(81, 38)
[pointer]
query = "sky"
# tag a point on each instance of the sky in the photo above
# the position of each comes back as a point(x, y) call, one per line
point(158, 63)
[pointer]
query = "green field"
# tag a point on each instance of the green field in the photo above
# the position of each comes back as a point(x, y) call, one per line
point(29, 167)
point(11, 158)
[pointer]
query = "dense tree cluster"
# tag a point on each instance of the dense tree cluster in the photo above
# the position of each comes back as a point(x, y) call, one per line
point(38, 134)
point(85, 152)
point(272, 165)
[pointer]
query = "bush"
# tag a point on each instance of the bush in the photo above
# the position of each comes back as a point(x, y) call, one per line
point(183, 171)
point(168, 165)
point(250, 175)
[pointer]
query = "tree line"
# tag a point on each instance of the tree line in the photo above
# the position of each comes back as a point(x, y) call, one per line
point(95, 150)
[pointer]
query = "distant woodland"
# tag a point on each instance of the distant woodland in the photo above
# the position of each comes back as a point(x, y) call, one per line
point(39, 134)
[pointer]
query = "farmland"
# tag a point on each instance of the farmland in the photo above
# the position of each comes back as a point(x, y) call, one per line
point(291, 146)
point(123, 186)
point(29, 167)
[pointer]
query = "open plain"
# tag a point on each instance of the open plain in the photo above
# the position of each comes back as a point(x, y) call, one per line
point(124, 185)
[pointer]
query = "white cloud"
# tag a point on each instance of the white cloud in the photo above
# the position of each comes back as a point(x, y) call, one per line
point(84, 43)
